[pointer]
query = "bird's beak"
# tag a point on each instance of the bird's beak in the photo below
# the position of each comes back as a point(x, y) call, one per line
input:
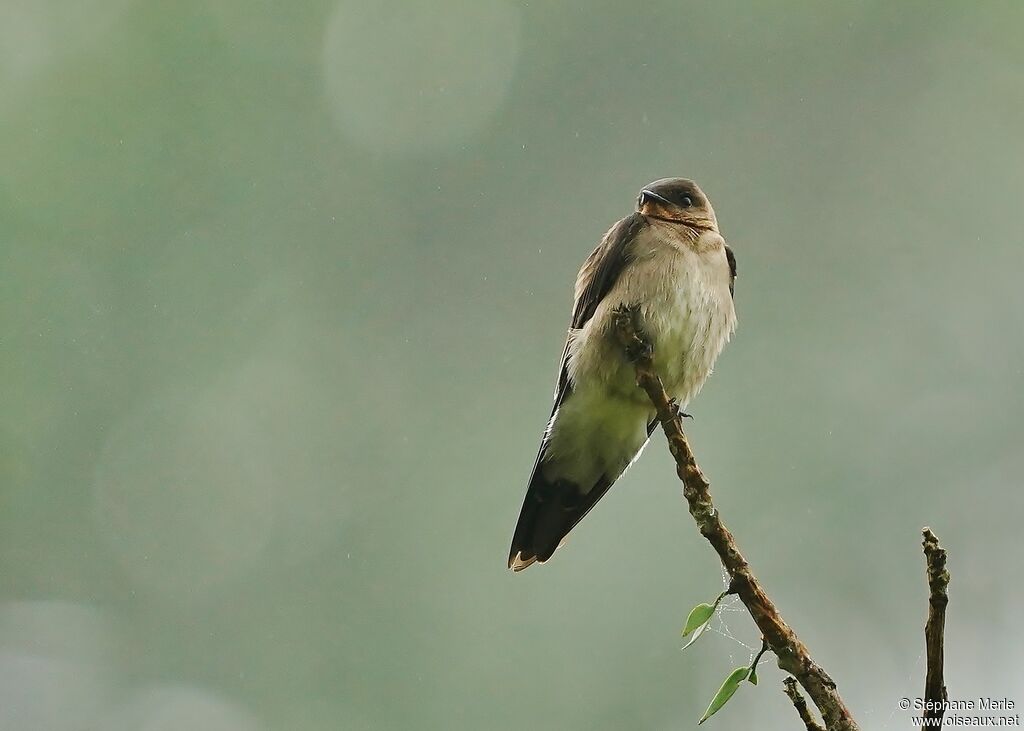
point(655, 196)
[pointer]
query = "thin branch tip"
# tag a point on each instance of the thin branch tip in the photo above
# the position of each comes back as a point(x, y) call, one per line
point(789, 686)
point(935, 693)
point(935, 557)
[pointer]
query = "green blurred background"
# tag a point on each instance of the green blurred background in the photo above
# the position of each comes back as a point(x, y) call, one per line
point(283, 287)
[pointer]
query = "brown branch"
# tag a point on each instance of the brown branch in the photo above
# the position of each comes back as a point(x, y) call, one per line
point(792, 654)
point(801, 705)
point(938, 580)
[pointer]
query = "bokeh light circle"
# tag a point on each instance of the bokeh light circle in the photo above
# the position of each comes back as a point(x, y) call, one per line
point(200, 485)
point(55, 668)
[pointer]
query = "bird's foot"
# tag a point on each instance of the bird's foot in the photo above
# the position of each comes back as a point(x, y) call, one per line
point(636, 345)
point(677, 409)
point(639, 350)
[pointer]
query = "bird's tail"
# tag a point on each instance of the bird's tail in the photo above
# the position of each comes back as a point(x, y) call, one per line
point(551, 509)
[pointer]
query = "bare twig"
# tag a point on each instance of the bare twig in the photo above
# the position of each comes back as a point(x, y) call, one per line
point(792, 654)
point(938, 580)
point(801, 705)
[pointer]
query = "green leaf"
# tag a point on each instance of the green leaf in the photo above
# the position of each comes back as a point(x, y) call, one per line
point(696, 635)
point(725, 692)
point(753, 676)
point(699, 616)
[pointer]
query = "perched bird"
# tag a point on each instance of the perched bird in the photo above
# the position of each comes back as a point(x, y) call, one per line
point(668, 260)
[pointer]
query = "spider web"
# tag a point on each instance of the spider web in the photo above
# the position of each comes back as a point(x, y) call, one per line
point(729, 606)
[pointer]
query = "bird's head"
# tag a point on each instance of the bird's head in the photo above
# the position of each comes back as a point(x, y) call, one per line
point(677, 200)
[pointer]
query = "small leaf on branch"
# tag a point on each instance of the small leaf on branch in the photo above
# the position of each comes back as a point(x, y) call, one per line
point(696, 634)
point(699, 616)
point(726, 692)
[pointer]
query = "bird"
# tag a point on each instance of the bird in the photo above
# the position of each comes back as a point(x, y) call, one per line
point(669, 262)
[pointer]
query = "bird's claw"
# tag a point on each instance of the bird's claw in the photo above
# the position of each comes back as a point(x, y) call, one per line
point(639, 350)
point(677, 409)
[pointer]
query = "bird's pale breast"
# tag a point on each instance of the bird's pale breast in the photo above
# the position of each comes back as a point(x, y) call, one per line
point(682, 288)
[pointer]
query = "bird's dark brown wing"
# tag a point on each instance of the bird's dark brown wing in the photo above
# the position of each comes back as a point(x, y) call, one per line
point(598, 274)
point(732, 270)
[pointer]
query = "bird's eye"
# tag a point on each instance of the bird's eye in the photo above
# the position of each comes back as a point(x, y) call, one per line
point(686, 202)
